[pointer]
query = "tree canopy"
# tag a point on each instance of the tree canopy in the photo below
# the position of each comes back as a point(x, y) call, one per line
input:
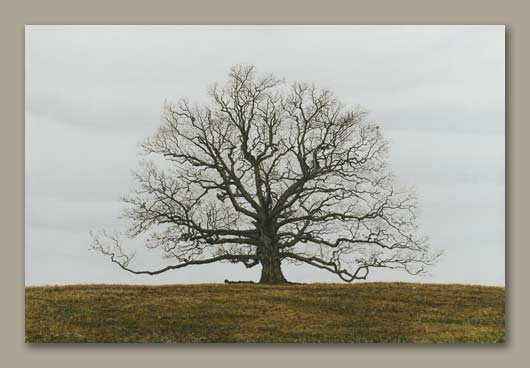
point(270, 172)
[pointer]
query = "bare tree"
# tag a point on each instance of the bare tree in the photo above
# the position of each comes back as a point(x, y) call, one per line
point(266, 173)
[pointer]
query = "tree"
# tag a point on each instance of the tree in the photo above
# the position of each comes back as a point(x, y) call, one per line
point(266, 173)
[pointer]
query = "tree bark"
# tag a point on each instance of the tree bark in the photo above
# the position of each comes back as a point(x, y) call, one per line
point(271, 272)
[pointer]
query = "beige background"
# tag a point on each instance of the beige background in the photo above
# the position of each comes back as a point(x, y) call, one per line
point(15, 14)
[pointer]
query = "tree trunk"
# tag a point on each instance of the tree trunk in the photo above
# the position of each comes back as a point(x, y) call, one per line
point(271, 272)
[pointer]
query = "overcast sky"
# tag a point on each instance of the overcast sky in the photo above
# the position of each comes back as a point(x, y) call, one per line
point(94, 92)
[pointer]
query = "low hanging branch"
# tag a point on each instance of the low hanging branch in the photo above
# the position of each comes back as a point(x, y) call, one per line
point(266, 173)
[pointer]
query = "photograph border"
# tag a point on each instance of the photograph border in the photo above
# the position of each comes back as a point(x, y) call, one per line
point(17, 14)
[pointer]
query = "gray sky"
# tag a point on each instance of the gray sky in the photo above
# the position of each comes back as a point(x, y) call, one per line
point(94, 92)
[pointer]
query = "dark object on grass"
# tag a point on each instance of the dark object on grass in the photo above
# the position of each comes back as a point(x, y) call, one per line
point(239, 282)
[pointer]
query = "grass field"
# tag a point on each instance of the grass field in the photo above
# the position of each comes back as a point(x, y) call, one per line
point(314, 313)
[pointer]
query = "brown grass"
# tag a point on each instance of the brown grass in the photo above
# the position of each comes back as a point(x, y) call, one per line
point(314, 313)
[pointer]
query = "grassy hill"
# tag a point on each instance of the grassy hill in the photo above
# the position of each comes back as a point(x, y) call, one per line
point(334, 313)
